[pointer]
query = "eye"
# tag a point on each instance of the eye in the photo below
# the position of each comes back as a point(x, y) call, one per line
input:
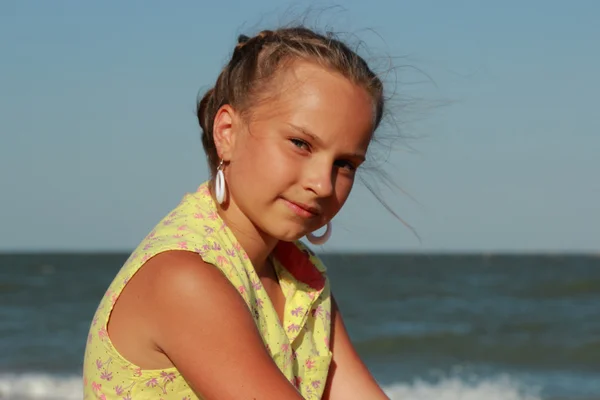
point(345, 164)
point(301, 144)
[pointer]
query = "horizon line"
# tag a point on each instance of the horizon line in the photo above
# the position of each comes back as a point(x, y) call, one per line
point(442, 252)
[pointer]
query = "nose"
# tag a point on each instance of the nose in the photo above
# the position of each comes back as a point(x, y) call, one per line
point(319, 178)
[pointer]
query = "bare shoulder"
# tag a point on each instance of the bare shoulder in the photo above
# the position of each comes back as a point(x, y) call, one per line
point(203, 325)
point(180, 285)
point(175, 275)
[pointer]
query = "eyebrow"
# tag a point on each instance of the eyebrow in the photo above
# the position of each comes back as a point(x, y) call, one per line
point(318, 140)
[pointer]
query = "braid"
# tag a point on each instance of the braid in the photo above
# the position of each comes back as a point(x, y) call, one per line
point(255, 42)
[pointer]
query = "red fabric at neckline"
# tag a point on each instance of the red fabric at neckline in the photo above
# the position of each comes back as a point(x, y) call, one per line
point(298, 264)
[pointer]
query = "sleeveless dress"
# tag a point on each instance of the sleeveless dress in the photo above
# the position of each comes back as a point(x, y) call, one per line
point(299, 347)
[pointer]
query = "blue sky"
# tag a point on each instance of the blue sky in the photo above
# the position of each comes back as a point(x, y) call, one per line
point(98, 138)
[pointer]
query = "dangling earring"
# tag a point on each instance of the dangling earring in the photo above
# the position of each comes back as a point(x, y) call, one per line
point(318, 240)
point(220, 190)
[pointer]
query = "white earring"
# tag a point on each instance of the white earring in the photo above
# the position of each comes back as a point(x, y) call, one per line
point(318, 240)
point(220, 184)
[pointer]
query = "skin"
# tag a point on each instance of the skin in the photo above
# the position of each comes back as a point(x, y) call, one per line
point(318, 171)
point(300, 148)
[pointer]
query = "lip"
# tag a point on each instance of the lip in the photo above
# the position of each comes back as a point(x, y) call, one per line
point(303, 210)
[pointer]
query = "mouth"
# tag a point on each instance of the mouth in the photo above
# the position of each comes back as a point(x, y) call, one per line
point(303, 210)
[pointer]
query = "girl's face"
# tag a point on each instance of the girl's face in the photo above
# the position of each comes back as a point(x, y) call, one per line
point(292, 165)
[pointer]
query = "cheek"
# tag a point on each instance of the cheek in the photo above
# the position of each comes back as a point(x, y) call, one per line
point(343, 187)
point(262, 165)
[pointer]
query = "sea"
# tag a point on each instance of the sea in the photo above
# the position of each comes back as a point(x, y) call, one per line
point(429, 326)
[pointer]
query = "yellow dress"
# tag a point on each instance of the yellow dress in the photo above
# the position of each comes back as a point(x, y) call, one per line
point(299, 347)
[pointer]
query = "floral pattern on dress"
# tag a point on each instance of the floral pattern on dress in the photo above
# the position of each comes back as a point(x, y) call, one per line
point(299, 346)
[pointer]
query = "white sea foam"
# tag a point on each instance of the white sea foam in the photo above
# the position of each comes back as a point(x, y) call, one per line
point(40, 387)
point(49, 387)
point(497, 388)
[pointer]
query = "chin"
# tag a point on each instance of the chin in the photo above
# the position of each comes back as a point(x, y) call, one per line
point(289, 234)
point(288, 237)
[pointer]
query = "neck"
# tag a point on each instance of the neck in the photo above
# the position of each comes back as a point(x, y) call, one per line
point(257, 245)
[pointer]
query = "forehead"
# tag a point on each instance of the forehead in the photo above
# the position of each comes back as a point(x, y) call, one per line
point(323, 101)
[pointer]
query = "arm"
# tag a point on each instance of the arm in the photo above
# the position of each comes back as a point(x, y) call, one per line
point(348, 376)
point(201, 323)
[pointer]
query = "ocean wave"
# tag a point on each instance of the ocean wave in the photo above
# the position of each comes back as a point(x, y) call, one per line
point(557, 289)
point(512, 348)
point(496, 388)
point(51, 387)
point(34, 386)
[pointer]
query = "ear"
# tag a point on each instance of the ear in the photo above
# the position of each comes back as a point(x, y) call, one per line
point(224, 131)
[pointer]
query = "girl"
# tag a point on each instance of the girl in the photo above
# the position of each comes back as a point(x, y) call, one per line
point(221, 301)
